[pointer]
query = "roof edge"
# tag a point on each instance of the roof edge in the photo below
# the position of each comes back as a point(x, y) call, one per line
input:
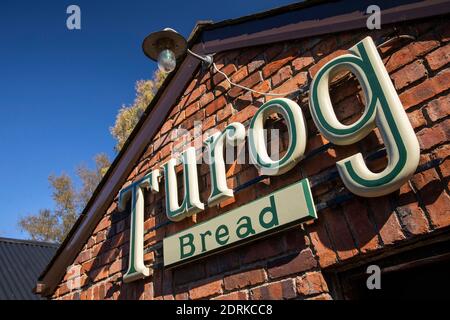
point(29, 242)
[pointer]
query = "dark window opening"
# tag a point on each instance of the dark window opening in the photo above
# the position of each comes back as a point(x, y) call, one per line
point(420, 273)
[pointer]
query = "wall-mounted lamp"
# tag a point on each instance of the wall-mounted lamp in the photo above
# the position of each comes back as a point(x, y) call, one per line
point(166, 47)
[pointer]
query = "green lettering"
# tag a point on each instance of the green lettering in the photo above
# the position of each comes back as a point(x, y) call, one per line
point(203, 236)
point(272, 210)
point(222, 235)
point(190, 239)
point(247, 226)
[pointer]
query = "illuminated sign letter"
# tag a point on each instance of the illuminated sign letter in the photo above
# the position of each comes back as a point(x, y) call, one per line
point(136, 267)
point(234, 132)
point(191, 201)
point(293, 115)
point(383, 110)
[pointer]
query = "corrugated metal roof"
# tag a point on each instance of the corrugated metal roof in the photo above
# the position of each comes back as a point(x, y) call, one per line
point(21, 262)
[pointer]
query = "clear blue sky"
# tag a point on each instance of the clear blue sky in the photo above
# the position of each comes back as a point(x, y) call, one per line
point(60, 90)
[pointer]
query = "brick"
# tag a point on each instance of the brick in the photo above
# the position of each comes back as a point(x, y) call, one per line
point(209, 122)
point(190, 122)
point(167, 126)
point(179, 118)
point(205, 99)
point(205, 76)
point(272, 51)
point(444, 168)
point(349, 106)
point(261, 87)
point(417, 119)
point(215, 105)
point(430, 137)
point(246, 56)
point(340, 233)
point(409, 53)
point(277, 64)
point(90, 242)
point(425, 178)
point(323, 296)
point(182, 296)
point(238, 295)
point(240, 75)
point(84, 256)
point(262, 249)
point(188, 273)
point(413, 219)
point(256, 64)
point(302, 62)
point(285, 266)
point(244, 279)
point(243, 100)
point(120, 227)
point(295, 239)
point(224, 113)
point(439, 108)
point(311, 283)
point(248, 82)
point(191, 109)
point(409, 74)
point(362, 228)
point(108, 257)
point(435, 198)
point(244, 114)
point(284, 289)
point(282, 74)
point(103, 224)
point(196, 94)
point(99, 274)
point(63, 289)
point(426, 90)
point(386, 220)
point(161, 141)
point(221, 263)
point(439, 57)
point(319, 64)
point(299, 80)
point(228, 70)
point(438, 207)
point(325, 46)
point(116, 266)
point(322, 244)
point(190, 87)
point(206, 290)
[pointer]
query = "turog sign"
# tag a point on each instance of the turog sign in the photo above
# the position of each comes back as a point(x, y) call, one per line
point(293, 204)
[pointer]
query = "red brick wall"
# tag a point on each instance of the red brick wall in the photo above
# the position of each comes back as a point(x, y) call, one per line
point(287, 265)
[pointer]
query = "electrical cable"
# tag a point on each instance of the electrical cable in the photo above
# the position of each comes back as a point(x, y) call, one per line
point(300, 90)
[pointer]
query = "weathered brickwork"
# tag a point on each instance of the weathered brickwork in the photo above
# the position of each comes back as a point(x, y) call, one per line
point(286, 265)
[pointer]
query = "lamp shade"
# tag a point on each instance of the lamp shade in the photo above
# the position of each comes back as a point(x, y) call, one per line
point(158, 41)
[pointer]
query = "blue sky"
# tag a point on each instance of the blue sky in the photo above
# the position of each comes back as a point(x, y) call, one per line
point(60, 90)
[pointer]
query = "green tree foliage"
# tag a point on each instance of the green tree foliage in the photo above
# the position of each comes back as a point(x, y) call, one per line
point(41, 226)
point(47, 225)
point(91, 178)
point(64, 196)
point(128, 116)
